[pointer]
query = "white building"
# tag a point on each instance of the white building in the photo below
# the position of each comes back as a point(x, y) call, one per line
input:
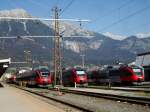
point(143, 59)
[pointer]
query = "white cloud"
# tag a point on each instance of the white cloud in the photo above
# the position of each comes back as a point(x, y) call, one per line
point(114, 36)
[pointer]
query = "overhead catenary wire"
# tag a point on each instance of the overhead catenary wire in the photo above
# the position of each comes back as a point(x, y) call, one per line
point(140, 26)
point(124, 18)
point(43, 19)
point(40, 36)
point(125, 4)
point(55, 4)
point(136, 39)
point(67, 6)
point(115, 9)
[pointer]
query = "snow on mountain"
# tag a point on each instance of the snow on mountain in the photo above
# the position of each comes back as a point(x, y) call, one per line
point(120, 37)
point(114, 36)
point(95, 44)
point(98, 49)
point(72, 29)
point(14, 13)
point(143, 35)
point(75, 46)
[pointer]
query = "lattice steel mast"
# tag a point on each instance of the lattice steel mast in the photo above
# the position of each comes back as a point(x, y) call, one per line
point(57, 49)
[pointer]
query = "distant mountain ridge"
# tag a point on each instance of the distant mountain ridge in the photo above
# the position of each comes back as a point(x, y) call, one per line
point(121, 37)
point(14, 13)
point(99, 49)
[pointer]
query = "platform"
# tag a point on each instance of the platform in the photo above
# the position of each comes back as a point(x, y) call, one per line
point(15, 100)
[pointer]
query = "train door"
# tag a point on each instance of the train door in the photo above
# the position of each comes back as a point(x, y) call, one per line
point(66, 77)
point(147, 73)
point(114, 76)
point(104, 77)
point(126, 76)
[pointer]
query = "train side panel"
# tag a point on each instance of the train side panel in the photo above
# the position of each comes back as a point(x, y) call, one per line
point(34, 78)
point(122, 74)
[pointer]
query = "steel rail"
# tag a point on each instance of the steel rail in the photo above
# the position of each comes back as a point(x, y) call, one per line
point(121, 89)
point(130, 99)
point(56, 99)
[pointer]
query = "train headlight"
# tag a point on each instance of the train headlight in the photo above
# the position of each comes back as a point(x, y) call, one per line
point(45, 79)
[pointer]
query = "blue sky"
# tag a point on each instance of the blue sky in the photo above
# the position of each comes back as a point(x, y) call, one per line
point(104, 14)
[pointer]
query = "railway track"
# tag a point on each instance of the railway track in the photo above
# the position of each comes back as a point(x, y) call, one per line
point(132, 89)
point(56, 99)
point(135, 100)
point(123, 98)
point(68, 96)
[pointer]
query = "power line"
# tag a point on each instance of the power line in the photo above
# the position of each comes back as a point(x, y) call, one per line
point(42, 19)
point(42, 5)
point(67, 6)
point(127, 17)
point(118, 8)
point(135, 41)
point(125, 4)
point(140, 26)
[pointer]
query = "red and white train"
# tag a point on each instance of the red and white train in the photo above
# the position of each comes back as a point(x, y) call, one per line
point(38, 77)
point(116, 74)
point(74, 76)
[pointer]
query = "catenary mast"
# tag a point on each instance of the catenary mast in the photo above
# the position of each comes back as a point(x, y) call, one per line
point(57, 49)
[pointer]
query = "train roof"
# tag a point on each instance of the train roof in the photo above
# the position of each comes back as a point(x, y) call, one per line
point(74, 68)
point(145, 53)
point(5, 60)
point(42, 68)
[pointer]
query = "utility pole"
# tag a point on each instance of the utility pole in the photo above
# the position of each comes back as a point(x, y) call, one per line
point(83, 60)
point(57, 49)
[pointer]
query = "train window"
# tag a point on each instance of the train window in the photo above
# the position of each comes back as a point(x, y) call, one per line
point(137, 72)
point(80, 72)
point(114, 73)
point(125, 73)
point(45, 74)
point(34, 75)
point(103, 75)
point(66, 74)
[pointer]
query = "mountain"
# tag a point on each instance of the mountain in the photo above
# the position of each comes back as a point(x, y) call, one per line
point(136, 45)
point(15, 13)
point(98, 49)
point(143, 35)
point(15, 48)
point(114, 36)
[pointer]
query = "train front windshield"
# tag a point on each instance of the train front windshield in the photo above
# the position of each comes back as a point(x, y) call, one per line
point(81, 73)
point(45, 74)
point(137, 71)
